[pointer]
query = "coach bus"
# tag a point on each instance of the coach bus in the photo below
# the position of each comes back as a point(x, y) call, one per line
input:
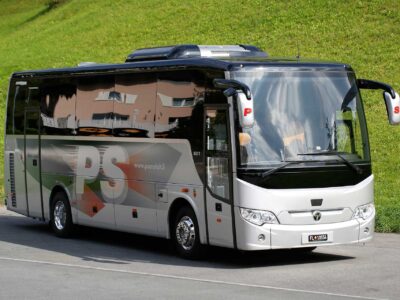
point(203, 145)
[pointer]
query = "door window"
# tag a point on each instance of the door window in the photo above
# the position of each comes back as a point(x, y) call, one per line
point(217, 152)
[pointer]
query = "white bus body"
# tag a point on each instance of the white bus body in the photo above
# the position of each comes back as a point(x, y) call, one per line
point(251, 155)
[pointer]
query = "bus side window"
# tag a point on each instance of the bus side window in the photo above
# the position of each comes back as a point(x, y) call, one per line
point(178, 94)
point(33, 100)
point(57, 108)
point(95, 105)
point(134, 108)
point(179, 110)
point(217, 152)
point(18, 109)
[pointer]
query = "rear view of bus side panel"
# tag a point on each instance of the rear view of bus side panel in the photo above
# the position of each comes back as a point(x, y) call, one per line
point(14, 170)
point(9, 174)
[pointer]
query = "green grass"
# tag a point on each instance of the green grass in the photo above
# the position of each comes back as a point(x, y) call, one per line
point(366, 34)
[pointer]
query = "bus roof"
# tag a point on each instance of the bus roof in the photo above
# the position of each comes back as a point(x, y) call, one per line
point(221, 64)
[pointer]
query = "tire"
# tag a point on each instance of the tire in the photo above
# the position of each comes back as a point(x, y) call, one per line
point(60, 215)
point(185, 234)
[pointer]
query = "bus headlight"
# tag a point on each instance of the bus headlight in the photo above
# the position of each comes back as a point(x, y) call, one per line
point(258, 217)
point(364, 211)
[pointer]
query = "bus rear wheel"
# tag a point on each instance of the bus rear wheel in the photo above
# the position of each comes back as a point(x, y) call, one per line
point(185, 234)
point(60, 216)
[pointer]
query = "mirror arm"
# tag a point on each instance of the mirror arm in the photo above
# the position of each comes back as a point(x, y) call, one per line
point(228, 84)
point(375, 85)
point(229, 92)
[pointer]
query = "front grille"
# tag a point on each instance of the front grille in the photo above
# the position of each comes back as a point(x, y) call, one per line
point(12, 180)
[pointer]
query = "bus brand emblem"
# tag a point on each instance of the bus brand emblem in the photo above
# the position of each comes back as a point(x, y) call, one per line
point(316, 215)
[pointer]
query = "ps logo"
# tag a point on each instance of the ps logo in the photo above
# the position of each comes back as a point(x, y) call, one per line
point(93, 165)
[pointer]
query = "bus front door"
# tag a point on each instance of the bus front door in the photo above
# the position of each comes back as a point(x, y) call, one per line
point(32, 163)
point(218, 181)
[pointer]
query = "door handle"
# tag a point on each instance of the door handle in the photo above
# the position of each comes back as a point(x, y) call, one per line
point(160, 195)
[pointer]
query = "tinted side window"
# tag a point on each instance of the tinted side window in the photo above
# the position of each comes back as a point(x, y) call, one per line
point(57, 106)
point(217, 152)
point(33, 100)
point(95, 105)
point(134, 106)
point(179, 110)
point(18, 109)
point(32, 122)
point(10, 108)
point(212, 94)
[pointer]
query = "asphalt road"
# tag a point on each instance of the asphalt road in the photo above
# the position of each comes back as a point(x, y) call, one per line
point(98, 264)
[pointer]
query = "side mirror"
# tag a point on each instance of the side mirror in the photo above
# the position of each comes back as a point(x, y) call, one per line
point(392, 99)
point(392, 108)
point(242, 95)
point(246, 111)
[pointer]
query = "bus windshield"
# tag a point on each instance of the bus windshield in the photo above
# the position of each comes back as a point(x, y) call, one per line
point(301, 113)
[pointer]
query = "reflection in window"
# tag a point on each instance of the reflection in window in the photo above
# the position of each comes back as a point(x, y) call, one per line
point(18, 110)
point(217, 152)
point(169, 101)
point(178, 96)
point(217, 176)
point(300, 112)
point(32, 122)
point(57, 106)
point(95, 105)
point(183, 102)
point(134, 106)
point(217, 138)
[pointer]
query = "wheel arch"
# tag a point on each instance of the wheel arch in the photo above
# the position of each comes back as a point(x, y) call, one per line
point(56, 189)
point(177, 204)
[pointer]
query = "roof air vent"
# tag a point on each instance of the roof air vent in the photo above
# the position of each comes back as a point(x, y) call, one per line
point(86, 64)
point(195, 51)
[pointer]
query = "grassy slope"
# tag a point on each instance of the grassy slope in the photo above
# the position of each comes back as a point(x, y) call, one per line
point(366, 35)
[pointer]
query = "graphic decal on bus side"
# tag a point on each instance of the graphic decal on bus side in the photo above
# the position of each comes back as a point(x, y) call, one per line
point(108, 172)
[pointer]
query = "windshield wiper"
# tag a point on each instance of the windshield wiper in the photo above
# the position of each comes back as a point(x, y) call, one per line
point(352, 166)
point(287, 163)
point(274, 170)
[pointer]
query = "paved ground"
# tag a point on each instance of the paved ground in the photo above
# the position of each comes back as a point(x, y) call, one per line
point(100, 264)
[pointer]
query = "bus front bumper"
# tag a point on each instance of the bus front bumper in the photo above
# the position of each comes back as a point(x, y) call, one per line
point(277, 236)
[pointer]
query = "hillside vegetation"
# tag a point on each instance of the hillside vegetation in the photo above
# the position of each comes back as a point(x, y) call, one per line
point(38, 34)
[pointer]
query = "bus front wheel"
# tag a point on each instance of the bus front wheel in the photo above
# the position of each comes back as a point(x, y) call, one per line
point(185, 234)
point(61, 217)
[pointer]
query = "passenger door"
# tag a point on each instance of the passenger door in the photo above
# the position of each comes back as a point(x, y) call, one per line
point(218, 181)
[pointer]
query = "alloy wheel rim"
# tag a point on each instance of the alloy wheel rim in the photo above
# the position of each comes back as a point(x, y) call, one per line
point(60, 215)
point(185, 233)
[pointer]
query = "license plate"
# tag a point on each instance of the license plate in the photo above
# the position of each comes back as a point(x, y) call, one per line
point(317, 238)
point(314, 238)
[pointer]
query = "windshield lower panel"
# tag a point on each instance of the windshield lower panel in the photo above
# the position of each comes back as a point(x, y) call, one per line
point(303, 112)
point(312, 176)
